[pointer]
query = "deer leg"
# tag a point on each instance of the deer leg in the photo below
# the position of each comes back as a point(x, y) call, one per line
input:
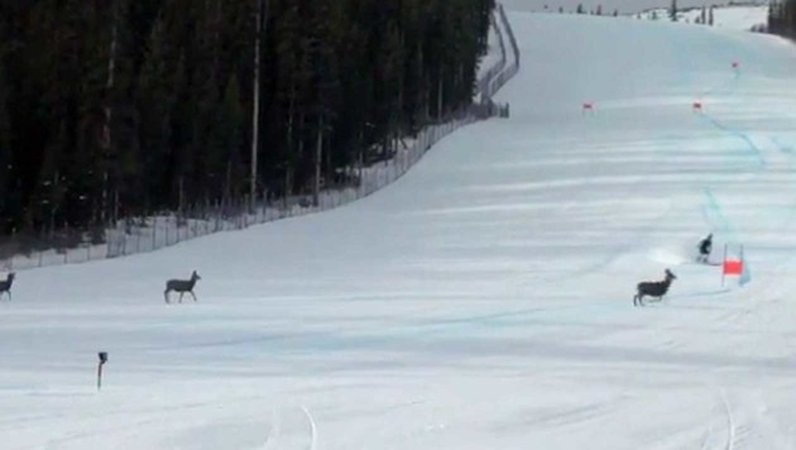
point(192, 295)
point(181, 294)
point(166, 295)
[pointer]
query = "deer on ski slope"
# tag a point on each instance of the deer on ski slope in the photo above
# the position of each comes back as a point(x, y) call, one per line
point(653, 289)
point(5, 286)
point(182, 286)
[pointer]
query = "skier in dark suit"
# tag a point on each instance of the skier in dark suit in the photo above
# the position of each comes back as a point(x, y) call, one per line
point(705, 248)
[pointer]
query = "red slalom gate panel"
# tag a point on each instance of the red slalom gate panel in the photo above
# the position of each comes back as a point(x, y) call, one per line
point(732, 267)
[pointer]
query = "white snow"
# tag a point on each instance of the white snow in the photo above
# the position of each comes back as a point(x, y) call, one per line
point(742, 17)
point(484, 300)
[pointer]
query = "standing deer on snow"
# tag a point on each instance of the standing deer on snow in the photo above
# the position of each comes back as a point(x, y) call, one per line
point(653, 289)
point(182, 286)
point(5, 286)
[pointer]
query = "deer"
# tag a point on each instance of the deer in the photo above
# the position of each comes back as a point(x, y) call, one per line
point(653, 288)
point(5, 286)
point(182, 286)
point(696, 107)
point(587, 106)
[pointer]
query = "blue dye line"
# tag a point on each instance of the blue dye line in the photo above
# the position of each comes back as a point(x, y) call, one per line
point(784, 148)
point(714, 215)
point(753, 148)
point(729, 85)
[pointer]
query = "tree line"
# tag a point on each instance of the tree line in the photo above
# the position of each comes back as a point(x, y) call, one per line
point(121, 108)
point(782, 17)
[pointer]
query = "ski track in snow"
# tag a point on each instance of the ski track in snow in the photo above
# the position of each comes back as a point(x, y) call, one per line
point(313, 428)
point(730, 421)
point(298, 430)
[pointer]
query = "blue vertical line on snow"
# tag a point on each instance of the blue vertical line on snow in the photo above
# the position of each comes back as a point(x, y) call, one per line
point(714, 214)
point(754, 150)
point(730, 86)
point(783, 147)
point(711, 209)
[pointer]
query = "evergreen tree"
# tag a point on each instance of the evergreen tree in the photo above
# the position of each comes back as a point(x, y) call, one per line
point(126, 107)
point(6, 162)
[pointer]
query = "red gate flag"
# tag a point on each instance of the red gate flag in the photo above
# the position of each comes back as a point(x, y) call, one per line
point(732, 267)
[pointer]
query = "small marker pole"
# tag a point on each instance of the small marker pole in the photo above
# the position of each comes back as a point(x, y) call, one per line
point(103, 358)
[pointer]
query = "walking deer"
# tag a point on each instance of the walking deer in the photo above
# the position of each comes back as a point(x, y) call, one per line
point(653, 289)
point(182, 286)
point(5, 286)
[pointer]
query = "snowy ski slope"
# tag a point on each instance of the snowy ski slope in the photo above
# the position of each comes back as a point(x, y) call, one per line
point(729, 17)
point(483, 301)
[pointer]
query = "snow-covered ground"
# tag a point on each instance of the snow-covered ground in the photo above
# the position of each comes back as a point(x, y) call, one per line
point(729, 17)
point(483, 301)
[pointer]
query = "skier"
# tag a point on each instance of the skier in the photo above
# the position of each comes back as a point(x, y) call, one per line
point(704, 248)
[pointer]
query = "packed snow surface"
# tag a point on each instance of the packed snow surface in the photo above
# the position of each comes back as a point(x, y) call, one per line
point(730, 17)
